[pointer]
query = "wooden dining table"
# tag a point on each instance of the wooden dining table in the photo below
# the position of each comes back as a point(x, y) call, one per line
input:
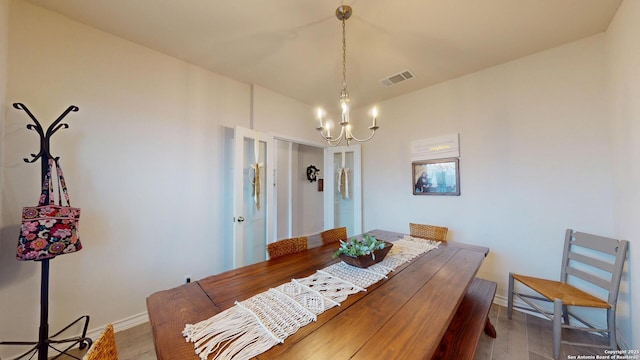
point(401, 317)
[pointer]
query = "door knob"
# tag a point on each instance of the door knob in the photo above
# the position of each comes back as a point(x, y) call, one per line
point(240, 219)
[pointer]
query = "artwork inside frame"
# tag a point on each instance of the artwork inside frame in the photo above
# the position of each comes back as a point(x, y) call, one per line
point(436, 177)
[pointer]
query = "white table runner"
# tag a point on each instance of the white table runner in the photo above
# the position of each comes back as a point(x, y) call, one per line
point(253, 326)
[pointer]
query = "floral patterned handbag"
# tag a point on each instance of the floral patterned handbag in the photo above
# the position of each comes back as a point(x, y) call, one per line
point(49, 230)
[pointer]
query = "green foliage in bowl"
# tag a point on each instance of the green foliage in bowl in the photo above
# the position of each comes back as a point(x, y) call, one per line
point(355, 247)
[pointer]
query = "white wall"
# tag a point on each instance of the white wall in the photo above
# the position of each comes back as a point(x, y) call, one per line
point(4, 44)
point(143, 159)
point(623, 74)
point(284, 117)
point(286, 162)
point(535, 159)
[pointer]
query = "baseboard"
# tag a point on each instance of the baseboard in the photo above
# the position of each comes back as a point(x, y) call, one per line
point(120, 325)
point(500, 300)
point(622, 343)
point(503, 300)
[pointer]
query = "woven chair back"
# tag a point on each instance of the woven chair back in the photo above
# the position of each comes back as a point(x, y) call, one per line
point(104, 348)
point(431, 232)
point(287, 246)
point(333, 235)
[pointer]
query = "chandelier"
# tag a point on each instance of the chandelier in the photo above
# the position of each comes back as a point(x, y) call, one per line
point(324, 127)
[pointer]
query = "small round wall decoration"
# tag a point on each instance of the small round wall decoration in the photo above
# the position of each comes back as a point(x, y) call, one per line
point(312, 173)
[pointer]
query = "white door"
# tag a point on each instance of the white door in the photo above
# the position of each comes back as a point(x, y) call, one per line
point(343, 188)
point(253, 200)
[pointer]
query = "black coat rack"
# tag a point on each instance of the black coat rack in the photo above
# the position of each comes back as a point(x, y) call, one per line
point(45, 342)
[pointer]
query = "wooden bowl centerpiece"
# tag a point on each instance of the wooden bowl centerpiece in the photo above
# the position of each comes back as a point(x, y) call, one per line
point(364, 252)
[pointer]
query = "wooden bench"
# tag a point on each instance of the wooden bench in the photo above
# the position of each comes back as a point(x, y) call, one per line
point(472, 317)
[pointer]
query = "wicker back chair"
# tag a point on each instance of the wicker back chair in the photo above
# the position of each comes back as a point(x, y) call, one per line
point(287, 246)
point(333, 235)
point(589, 259)
point(431, 232)
point(104, 348)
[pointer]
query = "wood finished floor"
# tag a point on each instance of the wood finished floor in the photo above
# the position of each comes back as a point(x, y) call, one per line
point(524, 337)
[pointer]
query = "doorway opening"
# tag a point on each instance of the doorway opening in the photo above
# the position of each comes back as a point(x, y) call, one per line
point(288, 203)
point(299, 201)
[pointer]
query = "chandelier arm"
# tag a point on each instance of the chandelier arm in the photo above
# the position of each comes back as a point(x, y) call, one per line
point(363, 140)
point(334, 145)
point(342, 133)
point(340, 136)
point(334, 142)
point(324, 137)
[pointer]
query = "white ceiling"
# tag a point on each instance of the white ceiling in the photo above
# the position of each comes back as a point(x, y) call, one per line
point(294, 46)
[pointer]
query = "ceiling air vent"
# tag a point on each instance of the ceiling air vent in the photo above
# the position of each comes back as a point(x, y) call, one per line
point(397, 78)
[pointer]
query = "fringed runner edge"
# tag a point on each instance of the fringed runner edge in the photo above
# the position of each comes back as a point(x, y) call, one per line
point(232, 334)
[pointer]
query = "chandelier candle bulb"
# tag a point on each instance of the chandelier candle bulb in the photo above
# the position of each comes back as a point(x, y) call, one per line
point(345, 114)
point(374, 115)
point(320, 114)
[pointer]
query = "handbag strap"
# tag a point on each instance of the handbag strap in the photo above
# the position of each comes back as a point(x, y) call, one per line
point(47, 187)
point(61, 183)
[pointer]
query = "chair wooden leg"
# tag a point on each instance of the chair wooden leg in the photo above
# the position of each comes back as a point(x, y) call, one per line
point(489, 329)
point(557, 328)
point(510, 297)
point(611, 322)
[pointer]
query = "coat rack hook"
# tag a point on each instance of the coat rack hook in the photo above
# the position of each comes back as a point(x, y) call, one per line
point(44, 137)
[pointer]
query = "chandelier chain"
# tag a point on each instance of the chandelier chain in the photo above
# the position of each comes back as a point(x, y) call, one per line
point(344, 56)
